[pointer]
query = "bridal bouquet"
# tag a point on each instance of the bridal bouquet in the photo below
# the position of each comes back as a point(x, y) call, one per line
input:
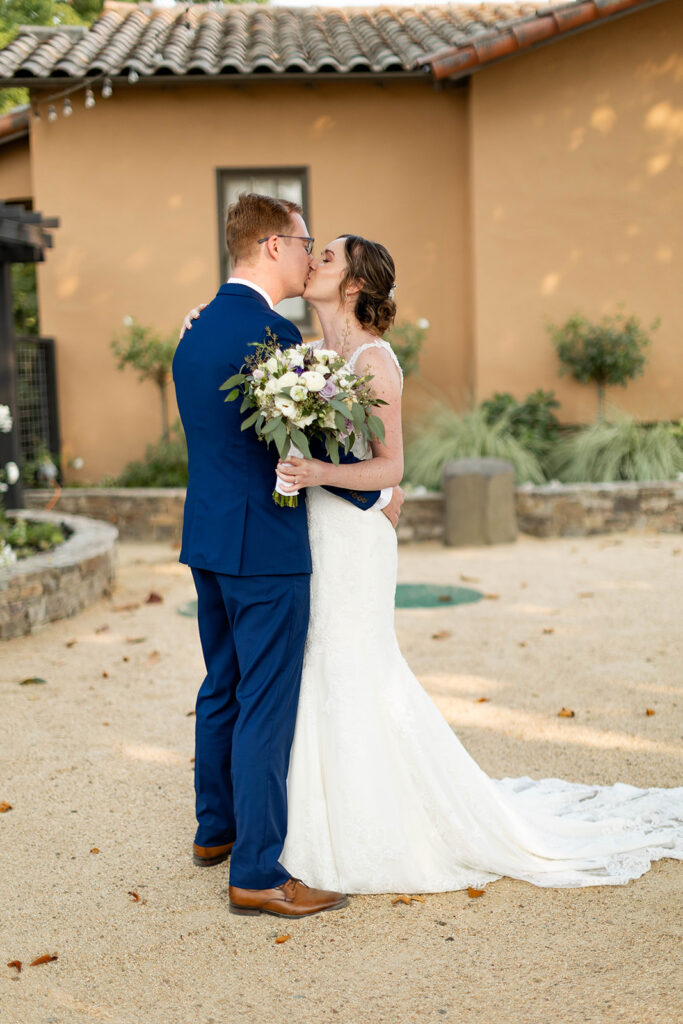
point(301, 393)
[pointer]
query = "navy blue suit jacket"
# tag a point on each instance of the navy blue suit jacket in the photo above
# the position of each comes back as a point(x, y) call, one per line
point(231, 524)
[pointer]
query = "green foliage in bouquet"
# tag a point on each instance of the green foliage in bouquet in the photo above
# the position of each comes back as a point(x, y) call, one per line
point(164, 464)
point(445, 434)
point(27, 538)
point(611, 351)
point(622, 450)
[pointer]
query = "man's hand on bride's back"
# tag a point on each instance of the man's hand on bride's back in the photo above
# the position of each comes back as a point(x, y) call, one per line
point(393, 510)
point(192, 315)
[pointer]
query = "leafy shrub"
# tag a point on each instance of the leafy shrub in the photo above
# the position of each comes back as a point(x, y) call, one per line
point(27, 538)
point(624, 450)
point(164, 464)
point(531, 421)
point(611, 351)
point(445, 434)
point(407, 339)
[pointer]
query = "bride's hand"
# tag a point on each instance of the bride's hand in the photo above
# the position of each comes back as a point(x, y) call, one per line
point(192, 315)
point(295, 473)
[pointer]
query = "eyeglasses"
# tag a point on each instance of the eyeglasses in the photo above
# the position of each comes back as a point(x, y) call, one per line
point(304, 238)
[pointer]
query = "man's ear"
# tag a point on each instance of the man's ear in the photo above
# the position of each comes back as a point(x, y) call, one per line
point(272, 247)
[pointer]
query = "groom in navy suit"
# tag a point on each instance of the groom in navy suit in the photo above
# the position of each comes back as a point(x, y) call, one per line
point(251, 566)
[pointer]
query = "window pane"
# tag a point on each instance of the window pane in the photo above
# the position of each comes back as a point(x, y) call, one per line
point(284, 186)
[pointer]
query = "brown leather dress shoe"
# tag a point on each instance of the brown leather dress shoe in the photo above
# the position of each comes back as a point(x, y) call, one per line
point(206, 856)
point(293, 899)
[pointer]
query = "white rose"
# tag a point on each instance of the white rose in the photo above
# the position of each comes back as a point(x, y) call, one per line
point(298, 393)
point(294, 357)
point(303, 421)
point(128, 321)
point(6, 421)
point(314, 381)
point(287, 380)
point(77, 463)
point(423, 323)
point(272, 364)
point(11, 472)
point(272, 386)
point(329, 420)
point(7, 555)
point(325, 353)
point(286, 407)
point(258, 374)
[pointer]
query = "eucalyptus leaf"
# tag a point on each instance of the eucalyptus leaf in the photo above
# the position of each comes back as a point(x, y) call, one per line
point(250, 420)
point(301, 441)
point(281, 439)
point(376, 426)
point(332, 449)
point(272, 425)
point(233, 395)
point(237, 378)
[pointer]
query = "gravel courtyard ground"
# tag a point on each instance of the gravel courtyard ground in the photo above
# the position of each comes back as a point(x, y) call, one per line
point(96, 764)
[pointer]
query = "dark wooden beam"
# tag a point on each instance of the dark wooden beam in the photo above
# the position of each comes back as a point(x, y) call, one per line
point(9, 443)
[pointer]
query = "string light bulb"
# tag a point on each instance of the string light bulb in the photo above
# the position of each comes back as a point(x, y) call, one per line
point(89, 99)
point(133, 76)
point(106, 88)
point(51, 113)
point(67, 109)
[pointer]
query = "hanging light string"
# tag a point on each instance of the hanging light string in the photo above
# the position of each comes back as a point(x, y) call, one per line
point(84, 84)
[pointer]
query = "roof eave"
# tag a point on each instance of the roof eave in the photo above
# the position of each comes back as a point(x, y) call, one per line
point(530, 34)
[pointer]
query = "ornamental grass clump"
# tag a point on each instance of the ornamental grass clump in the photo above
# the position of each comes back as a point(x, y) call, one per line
point(622, 450)
point(445, 434)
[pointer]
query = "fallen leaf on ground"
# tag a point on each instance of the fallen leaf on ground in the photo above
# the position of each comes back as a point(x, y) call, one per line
point(105, 723)
point(154, 598)
point(135, 639)
point(31, 680)
point(443, 634)
point(522, 643)
point(492, 597)
point(676, 551)
point(70, 643)
point(154, 657)
point(406, 899)
point(548, 629)
point(136, 898)
point(125, 658)
point(445, 598)
point(189, 714)
point(649, 711)
point(469, 579)
point(279, 939)
point(105, 675)
point(480, 700)
point(192, 760)
point(565, 713)
point(473, 893)
point(587, 593)
point(46, 958)
point(102, 629)
point(4, 806)
point(15, 963)
point(130, 607)
point(94, 849)
point(523, 586)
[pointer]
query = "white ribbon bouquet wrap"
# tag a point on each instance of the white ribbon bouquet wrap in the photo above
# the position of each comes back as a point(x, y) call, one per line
point(299, 394)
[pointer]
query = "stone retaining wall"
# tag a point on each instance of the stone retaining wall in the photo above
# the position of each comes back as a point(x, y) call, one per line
point(554, 510)
point(61, 582)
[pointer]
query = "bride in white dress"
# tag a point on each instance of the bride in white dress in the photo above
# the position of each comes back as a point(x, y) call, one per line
point(382, 795)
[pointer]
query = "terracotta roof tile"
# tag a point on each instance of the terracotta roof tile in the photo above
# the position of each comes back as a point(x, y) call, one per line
point(219, 40)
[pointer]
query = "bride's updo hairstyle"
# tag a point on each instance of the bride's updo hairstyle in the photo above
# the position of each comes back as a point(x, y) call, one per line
point(370, 265)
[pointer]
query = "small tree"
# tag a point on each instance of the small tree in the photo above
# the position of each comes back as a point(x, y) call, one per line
point(611, 351)
point(151, 355)
point(407, 339)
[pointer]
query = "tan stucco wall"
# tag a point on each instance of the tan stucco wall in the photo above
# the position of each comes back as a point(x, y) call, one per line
point(577, 193)
point(133, 183)
point(15, 171)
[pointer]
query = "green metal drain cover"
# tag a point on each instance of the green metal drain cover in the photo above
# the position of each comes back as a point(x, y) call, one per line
point(433, 595)
point(408, 595)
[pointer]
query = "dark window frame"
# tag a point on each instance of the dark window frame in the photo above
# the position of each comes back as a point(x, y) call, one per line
point(301, 172)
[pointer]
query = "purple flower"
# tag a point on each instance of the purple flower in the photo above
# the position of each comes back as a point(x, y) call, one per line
point(298, 370)
point(329, 390)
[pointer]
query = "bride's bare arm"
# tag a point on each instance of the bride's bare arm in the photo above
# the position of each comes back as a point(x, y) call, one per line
point(385, 468)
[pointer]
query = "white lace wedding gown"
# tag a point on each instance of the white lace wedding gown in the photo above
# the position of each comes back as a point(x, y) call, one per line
point(383, 797)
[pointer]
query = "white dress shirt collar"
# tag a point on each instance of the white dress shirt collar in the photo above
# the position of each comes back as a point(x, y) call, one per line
point(250, 284)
